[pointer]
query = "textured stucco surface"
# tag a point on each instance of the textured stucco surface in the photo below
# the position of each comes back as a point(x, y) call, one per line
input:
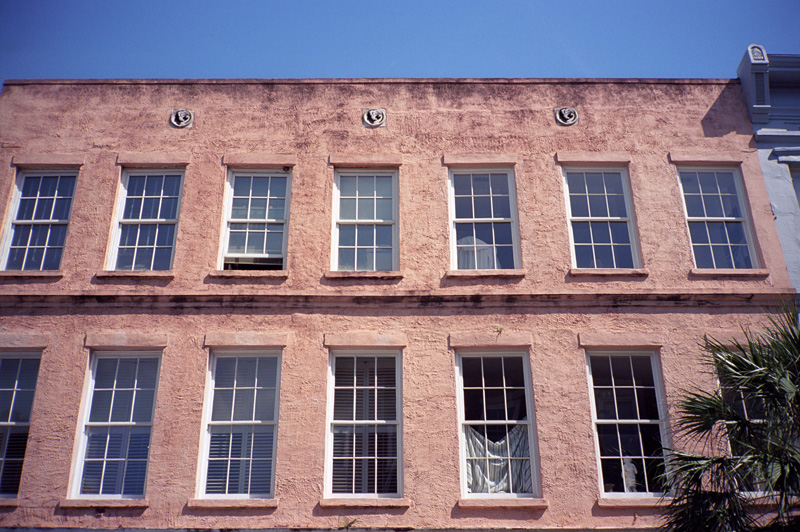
point(424, 312)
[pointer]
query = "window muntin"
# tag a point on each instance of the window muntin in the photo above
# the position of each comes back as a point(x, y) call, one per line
point(148, 220)
point(629, 423)
point(365, 429)
point(18, 374)
point(601, 219)
point(257, 212)
point(118, 425)
point(717, 218)
point(496, 426)
point(365, 210)
point(483, 210)
point(42, 207)
point(242, 417)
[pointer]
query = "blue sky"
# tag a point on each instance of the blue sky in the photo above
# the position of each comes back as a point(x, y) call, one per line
point(381, 38)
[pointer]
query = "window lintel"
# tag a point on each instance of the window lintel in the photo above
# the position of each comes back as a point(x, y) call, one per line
point(48, 160)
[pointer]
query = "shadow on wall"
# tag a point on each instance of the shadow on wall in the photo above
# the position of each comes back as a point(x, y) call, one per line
point(728, 114)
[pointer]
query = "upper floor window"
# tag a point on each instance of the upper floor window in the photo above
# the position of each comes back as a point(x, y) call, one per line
point(115, 445)
point(601, 219)
point(365, 211)
point(147, 215)
point(496, 425)
point(365, 429)
point(18, 375)
point(257, 211)
point(717, 218)
point(629, 422)
point(241, 426)
point(483, 214)
point(42, 203)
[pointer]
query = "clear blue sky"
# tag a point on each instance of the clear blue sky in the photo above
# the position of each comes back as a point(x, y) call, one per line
point(382, 38)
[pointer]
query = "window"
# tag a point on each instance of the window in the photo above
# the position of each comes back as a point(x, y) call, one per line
point(717, 218)
point(148, 220)
point(258, 208)
point(749, 406)
point(484, 232)
point(116, 439)
point(796, 183)
point(17, 385)
point(496, 426)
point(42, 206)
point(601, 219)
point(242, 426)
point(629, 423)
point(365, 430)
point(365, 236)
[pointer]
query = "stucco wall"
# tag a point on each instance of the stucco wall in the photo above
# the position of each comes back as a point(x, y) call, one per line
point(664, 309)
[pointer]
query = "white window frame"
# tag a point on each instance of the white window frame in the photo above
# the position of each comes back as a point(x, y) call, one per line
point(629, 220)
point(744, 219)
point(119, 211)
point(330, 422)
point(662, 421)
point(202, 477)
point(7, 425)
point(462, 422)
point(513, 211)
point(225, 255)
point(337, 221)
point(84, 424)
point(11, 222)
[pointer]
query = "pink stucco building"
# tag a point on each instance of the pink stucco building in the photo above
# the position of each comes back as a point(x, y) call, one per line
point(391, 304)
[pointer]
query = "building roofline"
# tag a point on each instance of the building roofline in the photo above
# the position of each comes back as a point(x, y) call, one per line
point(373, 81)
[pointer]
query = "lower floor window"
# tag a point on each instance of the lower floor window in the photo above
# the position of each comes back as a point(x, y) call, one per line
point(242, 425)
point(17, 386)
point(118, 426)
point(496, 425)
point(628, 423)
point(365, 426)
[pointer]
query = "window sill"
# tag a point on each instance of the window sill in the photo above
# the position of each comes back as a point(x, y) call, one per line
point(632, 502)
point(104, 503)
point(755, 273)
point(211, 504)
point(135, 274)
point(377, 502)
point(609, 272)
point(525, 503)
point(9, 503)
point(38, 274)
point(486, 273)
point(364, 275)
point(250, 274)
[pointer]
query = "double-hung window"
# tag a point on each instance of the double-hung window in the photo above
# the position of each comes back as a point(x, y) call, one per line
point(365, 428)
point(118, 424)
point(18, 373)
point(601, 219)
point(41, 206)
point(629, 422)
point(258, 209)
point(147, 212)
point(242, 426)
point(483, 213)
point(365, 211)
point(496, 425)
point(717, 217)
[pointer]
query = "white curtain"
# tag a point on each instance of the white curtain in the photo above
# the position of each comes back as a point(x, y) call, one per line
point(489, 469)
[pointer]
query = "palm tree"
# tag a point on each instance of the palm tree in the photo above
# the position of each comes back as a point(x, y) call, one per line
point(747, 475)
